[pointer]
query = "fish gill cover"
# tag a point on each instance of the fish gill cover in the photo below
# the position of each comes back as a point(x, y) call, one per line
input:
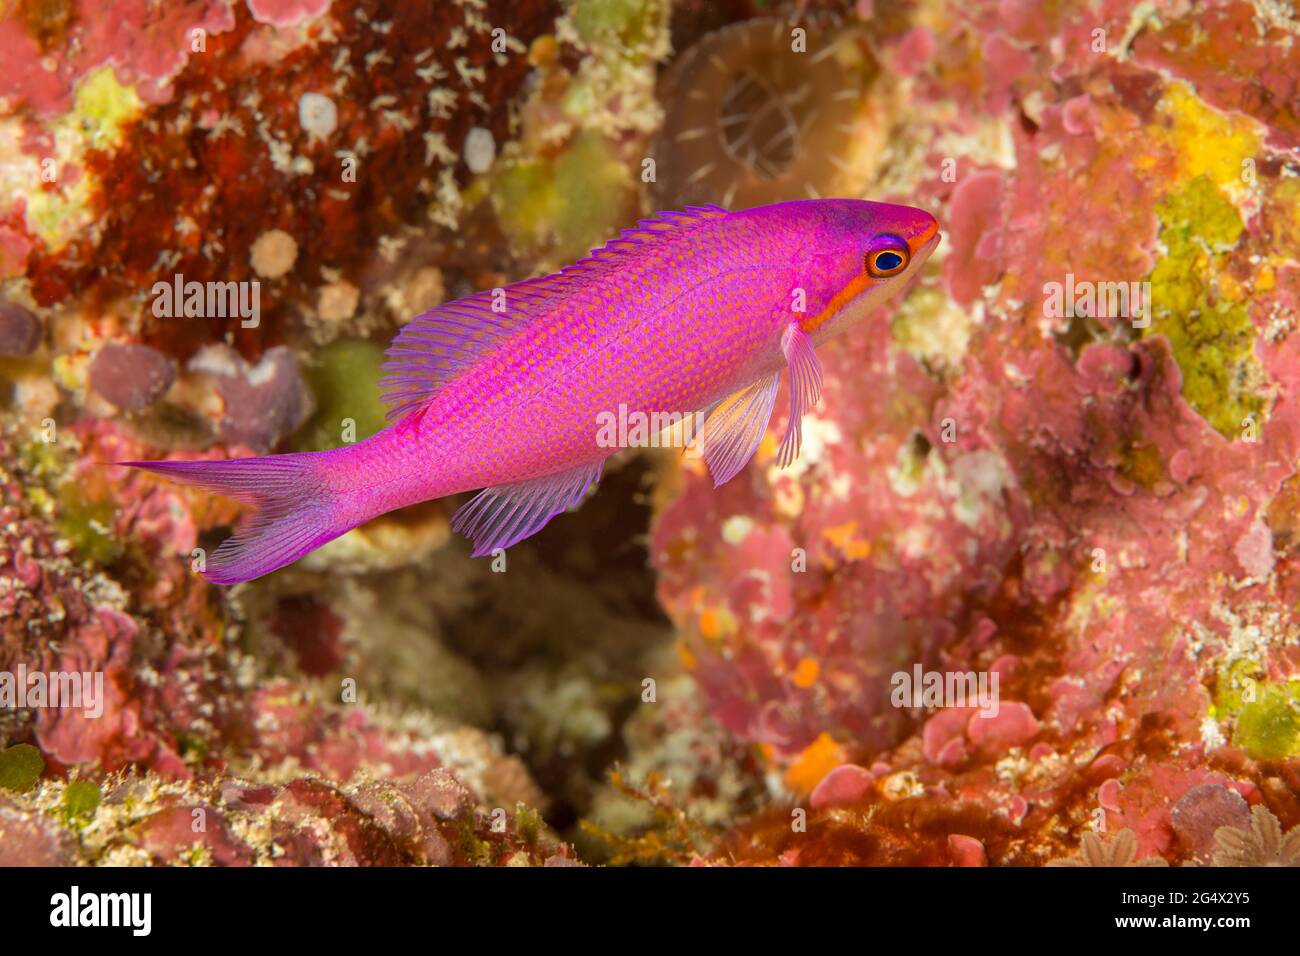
point(1026, 595)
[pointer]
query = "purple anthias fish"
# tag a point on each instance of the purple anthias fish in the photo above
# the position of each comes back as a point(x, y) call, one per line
point(502, 390)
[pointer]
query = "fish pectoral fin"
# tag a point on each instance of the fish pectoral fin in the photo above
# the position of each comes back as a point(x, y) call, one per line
point(805, 388)
point(503, 515)
point(736, 426)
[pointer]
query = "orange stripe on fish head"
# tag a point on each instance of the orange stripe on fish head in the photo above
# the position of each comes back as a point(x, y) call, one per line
point(855, 287)
point(876, 271)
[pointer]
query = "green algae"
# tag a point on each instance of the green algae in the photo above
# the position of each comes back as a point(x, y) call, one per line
point(345, 380)
point(79, 514)
point(476, 849)
point(569, 203)
point(80, 801)
point(191, 747)
point(524, 202)
point(1212, 339)
point(20, 767)
point(87, 524)
point(528, 824)
point(1267, 713)
point(43, 462)
point(592, 184)
point(1235, 681)
point(1269, 727)
point(1140, 462)
point(624, 22)
point(104, 107)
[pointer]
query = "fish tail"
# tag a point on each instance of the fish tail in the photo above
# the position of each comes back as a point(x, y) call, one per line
point(296, 509)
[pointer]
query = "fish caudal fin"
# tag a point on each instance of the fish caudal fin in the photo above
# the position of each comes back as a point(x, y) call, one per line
point(296, 510)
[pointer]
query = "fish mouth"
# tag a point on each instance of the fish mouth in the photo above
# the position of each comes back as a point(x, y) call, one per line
point(930, 238)
point(928, 246)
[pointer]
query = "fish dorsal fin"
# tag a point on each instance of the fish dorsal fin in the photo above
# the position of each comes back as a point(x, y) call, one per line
point(658, 227)
point(736, 426)
point(500, 516)
point(441, 343)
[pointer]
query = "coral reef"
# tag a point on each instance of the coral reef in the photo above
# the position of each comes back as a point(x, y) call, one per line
point(1065, 466)
point(141, 820)
point(1085, 502)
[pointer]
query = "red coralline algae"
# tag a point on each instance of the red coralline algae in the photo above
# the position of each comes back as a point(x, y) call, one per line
point(1038, 499)
point(15, 242)
point(1014, 725)
point(178, 703)
point(431, 819)
point(25, 85)
point(146, 44)
point(843, 786)
point(1199, 814)
point(966, 851)
point(33, 839)
point(975, 228)
point(1237, 62)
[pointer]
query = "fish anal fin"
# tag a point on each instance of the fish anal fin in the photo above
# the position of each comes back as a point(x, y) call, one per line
point(503, 515)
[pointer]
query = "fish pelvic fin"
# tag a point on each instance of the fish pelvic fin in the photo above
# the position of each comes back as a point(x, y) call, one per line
point(296, 511)
point(735, 428)
point(503, 515)
point(805, 388)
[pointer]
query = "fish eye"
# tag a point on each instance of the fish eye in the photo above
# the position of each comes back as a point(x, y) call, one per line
point(883, 263)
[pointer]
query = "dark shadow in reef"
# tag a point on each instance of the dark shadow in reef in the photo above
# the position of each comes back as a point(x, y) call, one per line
point(562, 638)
